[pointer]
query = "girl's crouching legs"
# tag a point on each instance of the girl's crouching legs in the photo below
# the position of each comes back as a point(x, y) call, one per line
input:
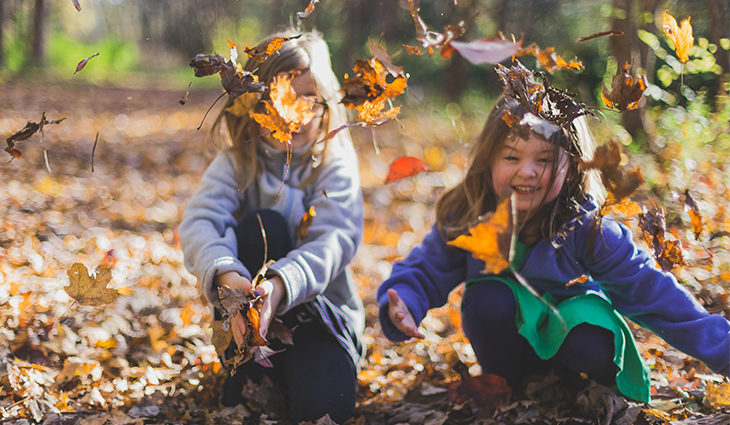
point(488, 315)
point(589, 349)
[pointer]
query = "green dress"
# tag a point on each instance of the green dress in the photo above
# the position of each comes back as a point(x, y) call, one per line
point(545, 332)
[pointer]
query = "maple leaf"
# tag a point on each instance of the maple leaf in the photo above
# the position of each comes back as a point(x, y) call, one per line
point(266, 48)
point(30, 129)
point(83, 62)
point(625, 91)
point(694, 214)
point(681, 36)
point(88, 290)
point(405, 166)
point(483, 239)
point(308, 10)
point(368, 83)
point(667, 252)
point(486, 50)
point(286, 113)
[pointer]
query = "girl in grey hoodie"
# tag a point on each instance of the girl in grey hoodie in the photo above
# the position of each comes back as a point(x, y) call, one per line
point(309, 286)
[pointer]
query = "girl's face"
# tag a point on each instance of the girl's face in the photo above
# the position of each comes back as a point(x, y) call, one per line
point(524, 167)
point(305, 87)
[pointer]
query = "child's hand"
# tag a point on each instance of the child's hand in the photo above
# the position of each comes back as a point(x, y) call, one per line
point(273, 291)
point(401, 317)
point(234, 280)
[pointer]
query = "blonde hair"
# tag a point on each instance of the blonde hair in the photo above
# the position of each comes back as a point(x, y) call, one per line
point(461, 207)
point(308, 51)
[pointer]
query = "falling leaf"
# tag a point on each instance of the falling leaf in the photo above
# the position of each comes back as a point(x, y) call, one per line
point(384, 58)
point(266, 48)
point(184, 99)
point(76, 4)
point(578, 280)
point(550, 60)
point(483, 239)
point(233, 52)
point(30, 129)
point(308, 10)
point(413, 50)
point(431, 39)
point(235, 81)
point(667, 252)
point(372, 114)
point(624, 207)
point(620, 184)
point(205, 65)
point(368, 83)
point(600, 34)
point(286, 113)
point(305, 222)
point(83, 62)
point(694, 214)
point(681, 36)
point(487, 50)
point(90, 290)
point(405, 166)
point(625, 90)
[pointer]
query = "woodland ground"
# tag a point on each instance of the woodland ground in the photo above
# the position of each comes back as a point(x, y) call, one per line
point(147, 357)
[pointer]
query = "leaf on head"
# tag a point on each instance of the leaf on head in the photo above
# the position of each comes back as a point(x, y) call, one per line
point(90, 290)
point(625, 90)
point(285, 113)
point(485, 239)
point(681, 35)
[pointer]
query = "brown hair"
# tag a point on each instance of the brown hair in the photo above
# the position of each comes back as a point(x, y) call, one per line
point(461, 207)
point(308, 51)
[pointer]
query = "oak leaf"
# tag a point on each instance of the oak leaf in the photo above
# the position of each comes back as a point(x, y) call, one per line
point(405, 166)
point(286, 113)
point(90, 290)
point(483, 240)
point(681, 35)
point(625, 90)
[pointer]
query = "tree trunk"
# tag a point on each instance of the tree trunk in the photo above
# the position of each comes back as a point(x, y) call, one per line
point(624, 49)
point(38, 46)
point(720, 28)
point(2, 47)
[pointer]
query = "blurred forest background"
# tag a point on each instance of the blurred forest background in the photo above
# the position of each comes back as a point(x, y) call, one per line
point(147, 357)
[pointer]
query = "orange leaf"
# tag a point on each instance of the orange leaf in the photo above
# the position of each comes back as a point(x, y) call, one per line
point(368, 83)
point(371, 113)
point(285, 112)
point(681, 36)
point(577, 280)
point(694, 214)
point(88, 290)
point(549, 59)
point(305, 222)
point(267, 48)
point(308, 10)
point(413, 50)
point(483, 239)
point(254, 323)
point(405, 166)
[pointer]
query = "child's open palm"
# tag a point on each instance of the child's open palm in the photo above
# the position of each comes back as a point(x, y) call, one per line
point(401, 317)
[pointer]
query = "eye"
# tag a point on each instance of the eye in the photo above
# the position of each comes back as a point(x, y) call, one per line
point(545, 160)
point(511, 158)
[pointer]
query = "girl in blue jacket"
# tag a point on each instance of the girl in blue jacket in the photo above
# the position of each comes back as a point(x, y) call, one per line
point(309, 285)
point(531, 150)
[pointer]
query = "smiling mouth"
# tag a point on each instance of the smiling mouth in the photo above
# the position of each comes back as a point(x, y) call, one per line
point(525, 190)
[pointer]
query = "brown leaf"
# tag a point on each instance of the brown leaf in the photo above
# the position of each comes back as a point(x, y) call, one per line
point(681, 36)
point(384, 58)
point(76, 4)
point(694, 214)
point(405, 166)
point(30, 129)
point(233, 300)
point(205, 65)
point(667, 252)
point(266, 48)
point(413, 50)
point(619, 183)
point(550, 60)
point(83, 62)
point(369, 83)
point(432, 39)
point(625, 91)
point(90, 290)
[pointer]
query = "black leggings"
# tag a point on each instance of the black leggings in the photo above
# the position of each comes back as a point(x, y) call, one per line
point(316, 373)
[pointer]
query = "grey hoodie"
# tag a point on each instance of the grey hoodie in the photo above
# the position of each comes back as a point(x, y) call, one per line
point(318, 264)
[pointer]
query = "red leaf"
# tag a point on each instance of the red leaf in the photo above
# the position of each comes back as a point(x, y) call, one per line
point(82, 64)
point(405, 166)
point(486, 50)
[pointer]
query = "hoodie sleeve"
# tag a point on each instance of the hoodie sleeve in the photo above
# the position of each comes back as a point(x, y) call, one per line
point(653, 298)
point(207, 230)
point(335, 232)
point(423, 280)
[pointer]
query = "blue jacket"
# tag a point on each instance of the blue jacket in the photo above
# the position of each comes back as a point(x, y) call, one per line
point(615, 267)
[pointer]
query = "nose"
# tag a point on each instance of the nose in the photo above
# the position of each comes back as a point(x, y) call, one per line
point(528, 169)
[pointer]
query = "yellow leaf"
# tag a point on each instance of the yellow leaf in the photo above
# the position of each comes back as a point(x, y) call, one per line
point(305, 222)
point(483, 239)
point(718, 395)
point(243, 104)
point(681, 35)
point(87, 290)
point(285, 112)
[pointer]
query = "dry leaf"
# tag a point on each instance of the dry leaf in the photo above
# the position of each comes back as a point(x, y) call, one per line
point(625, 91)
point(286, 113)
point(90, 290)
point(305, 222)
point(405, 166)
point(30, 129)
point(694, 214)
point(83, 62)
point(681, 36)
point(308, 10)
point(267, 48)
point(483, 239)
point(667, 252)
point(718, 395)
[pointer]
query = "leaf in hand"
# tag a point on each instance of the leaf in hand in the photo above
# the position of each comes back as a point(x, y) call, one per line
point(30, 129)
point(83, 62)
point(483, 240)
point(278, 330)
point(681, 36)
point(233, 300)
point(286, 113)
point(90, 290)
point(405, 166)
point(625, 90)
point(254, 326)
point(266, 48)
point(694, 214)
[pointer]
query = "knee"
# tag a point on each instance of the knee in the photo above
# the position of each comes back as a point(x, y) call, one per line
point(488, 303)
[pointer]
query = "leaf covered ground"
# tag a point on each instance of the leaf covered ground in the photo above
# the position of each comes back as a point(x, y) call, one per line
point(148, 358)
